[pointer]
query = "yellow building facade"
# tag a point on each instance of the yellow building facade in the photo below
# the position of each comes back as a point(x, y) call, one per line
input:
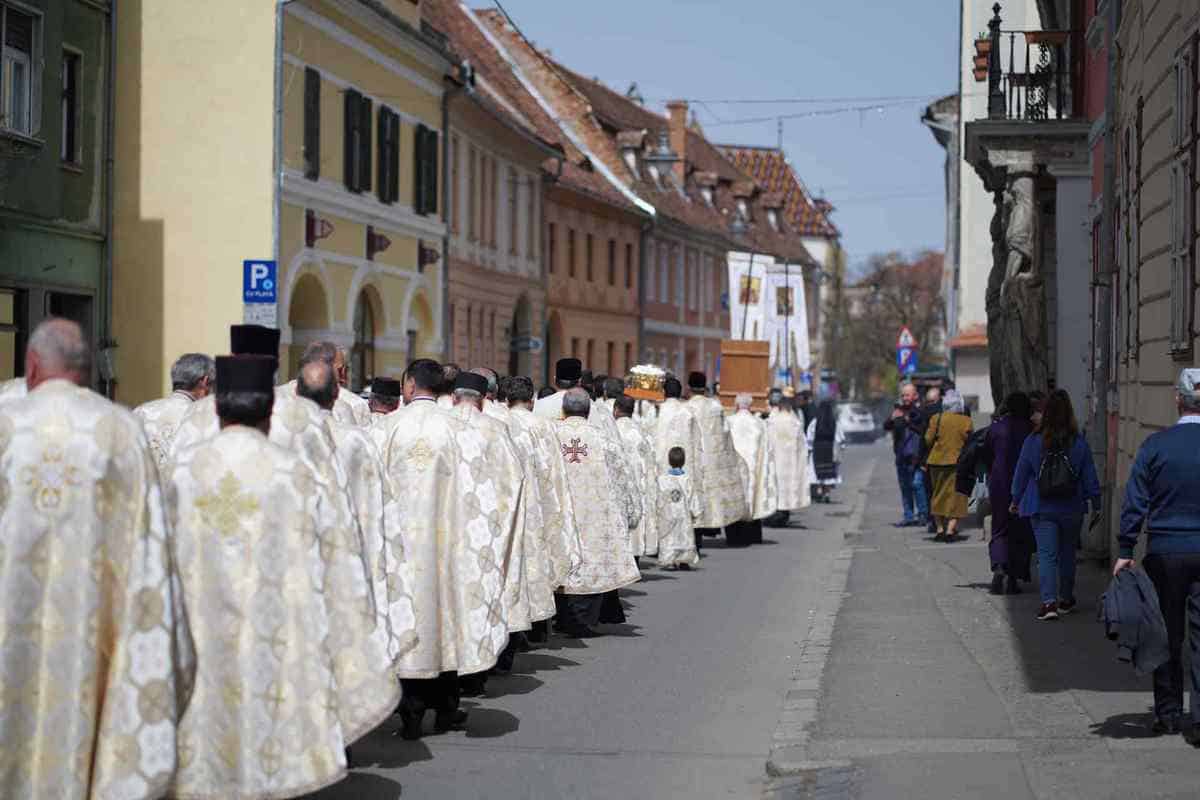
point(359, 225)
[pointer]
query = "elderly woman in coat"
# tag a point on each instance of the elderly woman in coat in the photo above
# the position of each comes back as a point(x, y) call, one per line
point(944, 439)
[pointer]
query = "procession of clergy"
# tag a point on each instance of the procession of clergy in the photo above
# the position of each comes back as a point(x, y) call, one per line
point(214, 595)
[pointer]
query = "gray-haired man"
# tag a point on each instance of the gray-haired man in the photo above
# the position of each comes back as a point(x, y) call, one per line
point(1163, 497)
point(192, 377)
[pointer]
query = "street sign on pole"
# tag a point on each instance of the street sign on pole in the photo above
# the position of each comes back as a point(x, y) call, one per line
point(260, 292)
point(905, 339)
point(906, 360)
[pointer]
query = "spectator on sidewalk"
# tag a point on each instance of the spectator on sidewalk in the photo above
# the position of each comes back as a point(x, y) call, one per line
point(1011, 544)
point(1163, 496)
point(1055, 477)
point(945, 435)
point(905, 427)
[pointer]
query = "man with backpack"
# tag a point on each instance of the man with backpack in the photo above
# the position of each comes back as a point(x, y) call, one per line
point(907, 428)
point(1163, 496)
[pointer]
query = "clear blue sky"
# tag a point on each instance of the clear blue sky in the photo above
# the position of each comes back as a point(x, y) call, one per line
point(883, 171)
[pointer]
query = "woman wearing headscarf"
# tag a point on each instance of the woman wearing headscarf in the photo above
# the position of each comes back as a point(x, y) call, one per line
point(945, 436)
point(825, 443)
point(1012, 543)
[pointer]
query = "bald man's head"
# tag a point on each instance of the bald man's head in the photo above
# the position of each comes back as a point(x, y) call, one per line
point(57, 349)
point(318, 383)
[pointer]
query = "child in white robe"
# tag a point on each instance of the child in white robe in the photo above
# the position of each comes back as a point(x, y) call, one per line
point(678, 508)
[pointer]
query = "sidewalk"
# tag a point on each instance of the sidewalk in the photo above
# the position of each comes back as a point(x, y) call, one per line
point(932, 688)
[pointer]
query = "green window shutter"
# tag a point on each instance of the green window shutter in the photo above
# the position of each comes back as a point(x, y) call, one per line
point(382, 179)
point(365, 142)
point(351, 149)
point(419, 169)
point(394, 157)
point(430, 173)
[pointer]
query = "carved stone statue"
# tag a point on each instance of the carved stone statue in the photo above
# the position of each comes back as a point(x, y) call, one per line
point(1016, 295)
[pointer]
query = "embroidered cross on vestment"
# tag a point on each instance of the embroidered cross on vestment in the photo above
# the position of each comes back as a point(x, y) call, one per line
point(574, 452)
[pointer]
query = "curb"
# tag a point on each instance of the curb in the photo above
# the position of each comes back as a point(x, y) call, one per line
point(790, 752)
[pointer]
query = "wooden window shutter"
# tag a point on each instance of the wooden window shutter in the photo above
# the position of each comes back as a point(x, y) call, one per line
point(394, 157)
point(381, 178)
point(430, 173)
point(419, 169)
point(312, 124)
point(364, 175)
point(351, 148)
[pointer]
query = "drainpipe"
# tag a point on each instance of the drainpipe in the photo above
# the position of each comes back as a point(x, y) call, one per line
point(277, 156)
point(643, 239)
point(1101, 379)
point(447, 198)
point(107, 344)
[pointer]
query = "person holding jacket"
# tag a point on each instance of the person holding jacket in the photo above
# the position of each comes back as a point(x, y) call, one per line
point(1056, 520)
point(945, 435)
point(1163, 496)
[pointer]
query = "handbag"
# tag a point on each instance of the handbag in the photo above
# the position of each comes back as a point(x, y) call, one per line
point(980, 502)
point(1057, 477)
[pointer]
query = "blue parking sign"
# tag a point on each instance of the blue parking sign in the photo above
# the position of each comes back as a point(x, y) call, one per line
point(259, 284)
point(906, 360)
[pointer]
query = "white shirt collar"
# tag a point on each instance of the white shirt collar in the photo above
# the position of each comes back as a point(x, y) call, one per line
point(1190, 419)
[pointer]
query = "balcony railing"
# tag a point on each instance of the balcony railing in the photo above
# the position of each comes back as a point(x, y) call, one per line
point(1031, 75)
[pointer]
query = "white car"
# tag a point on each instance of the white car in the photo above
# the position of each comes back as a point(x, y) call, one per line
point(857, 422)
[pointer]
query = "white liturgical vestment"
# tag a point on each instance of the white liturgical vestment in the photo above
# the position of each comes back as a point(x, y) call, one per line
point(753, 445)
point(347, 406)
point(639, 451)
point(791, 459)
point(724, 496)
point(607, 507)
point(96, 659)
point(269, 717)
point(159, 419)
point(678, 509)
point(454, 552)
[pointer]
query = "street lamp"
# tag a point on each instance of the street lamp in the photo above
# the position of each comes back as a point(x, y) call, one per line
point(739, 228)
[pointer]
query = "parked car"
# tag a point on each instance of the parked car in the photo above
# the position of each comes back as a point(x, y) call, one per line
point(858, 423)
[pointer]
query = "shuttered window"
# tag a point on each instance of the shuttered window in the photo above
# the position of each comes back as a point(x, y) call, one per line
point(388, 174)
point(312, 124)
point(1182, 187)
point(425, 156)
point(356, 148)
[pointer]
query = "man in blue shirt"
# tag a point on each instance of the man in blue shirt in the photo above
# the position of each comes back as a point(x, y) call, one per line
point(1163, 496)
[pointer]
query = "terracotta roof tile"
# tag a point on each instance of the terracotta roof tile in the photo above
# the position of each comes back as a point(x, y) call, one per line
point(770, 169)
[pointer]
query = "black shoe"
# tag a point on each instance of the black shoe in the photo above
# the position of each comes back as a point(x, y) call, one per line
point(1192, 735)
point(449, 720)
point(1065, 607)
point(1012, 586)
point(1167, 727)
point(576, 632)
point(685, 567)
point(931, 526)
point(410, 720)
point(1048, 611)
point(997, 583)
point(904, 523)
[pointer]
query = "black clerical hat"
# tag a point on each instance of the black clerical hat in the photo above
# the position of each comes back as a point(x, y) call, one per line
point(697, 380)
point(246, 373)
point(385, 387)
point(254, 340)
point(471, 382)
point(568, 369)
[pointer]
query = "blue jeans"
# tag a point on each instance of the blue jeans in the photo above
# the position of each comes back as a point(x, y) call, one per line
point(1056, 535)
point(912, 492)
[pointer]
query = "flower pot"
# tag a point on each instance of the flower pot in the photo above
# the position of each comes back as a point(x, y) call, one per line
point(983, 46)
point(980, 75)
point(981, 62)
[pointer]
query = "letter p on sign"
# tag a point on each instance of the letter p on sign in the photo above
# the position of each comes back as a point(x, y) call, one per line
point(258, 281)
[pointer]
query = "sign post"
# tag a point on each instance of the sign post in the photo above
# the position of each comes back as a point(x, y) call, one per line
point(906, 352)
point(260, 292)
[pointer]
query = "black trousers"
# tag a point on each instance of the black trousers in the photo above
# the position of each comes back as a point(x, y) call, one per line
point(436, 694)
point(1176, 578)
point(575, 611)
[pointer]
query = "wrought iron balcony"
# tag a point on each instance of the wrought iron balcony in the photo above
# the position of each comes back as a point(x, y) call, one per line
point(1031, 75)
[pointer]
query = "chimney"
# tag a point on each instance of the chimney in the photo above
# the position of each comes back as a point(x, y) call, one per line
point(678, 111)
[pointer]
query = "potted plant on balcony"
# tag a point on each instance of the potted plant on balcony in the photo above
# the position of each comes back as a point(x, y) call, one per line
point(983, 44)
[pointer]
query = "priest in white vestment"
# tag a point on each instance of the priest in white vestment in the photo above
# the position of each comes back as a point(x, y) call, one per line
point(385, 397)
point(607, 508)
point(790, 443)
point(567, 375)
point(506, 489)
point(358, 456)
point(639, 450)
point(753, 445)
point(269, 717)
point(192, 378)
point(676, 426)
point(559, 535)
point(724, 495)
point(96, 657)
point(454, 552)
point(366, 625)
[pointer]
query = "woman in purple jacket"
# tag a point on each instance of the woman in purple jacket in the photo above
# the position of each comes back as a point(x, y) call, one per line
point(1056, 520)
point(1011, 544)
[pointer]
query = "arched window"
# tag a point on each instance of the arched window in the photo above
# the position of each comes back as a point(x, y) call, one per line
point(362, 355)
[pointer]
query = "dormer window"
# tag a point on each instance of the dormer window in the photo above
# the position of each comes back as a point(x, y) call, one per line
point(654, 174)
point(743, 211)
point(631, 161)
point(706, 193)
point(773, 219)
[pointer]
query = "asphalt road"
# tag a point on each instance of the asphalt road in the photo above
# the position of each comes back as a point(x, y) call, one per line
point(681, 701)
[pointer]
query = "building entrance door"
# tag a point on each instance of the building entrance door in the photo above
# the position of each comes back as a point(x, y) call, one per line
point(23, 308)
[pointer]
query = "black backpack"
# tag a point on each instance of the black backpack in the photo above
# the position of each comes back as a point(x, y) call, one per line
point(1057, 478)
